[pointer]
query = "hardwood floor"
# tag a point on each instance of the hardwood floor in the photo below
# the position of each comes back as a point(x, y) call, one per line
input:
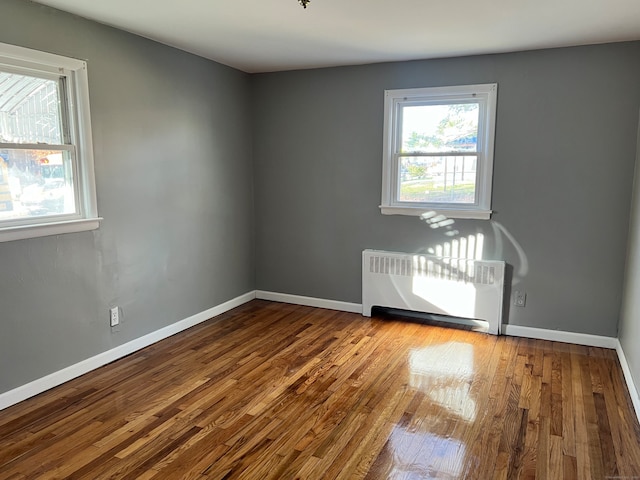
point(275, 391)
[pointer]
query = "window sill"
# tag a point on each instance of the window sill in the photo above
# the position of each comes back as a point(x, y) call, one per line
point(448, 212)
point(8, 234)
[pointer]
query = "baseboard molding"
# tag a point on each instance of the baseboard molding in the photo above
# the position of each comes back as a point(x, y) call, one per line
point(58, 378)
point(309, 301)
point(511, 330)
point(631, 386)
point(561, 336)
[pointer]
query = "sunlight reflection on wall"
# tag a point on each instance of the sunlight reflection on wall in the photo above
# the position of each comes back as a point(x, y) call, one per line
point(469, 247)
point(472, 246)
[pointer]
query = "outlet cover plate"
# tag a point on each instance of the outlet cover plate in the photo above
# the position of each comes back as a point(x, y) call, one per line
point(114, 316)
point(519, 298)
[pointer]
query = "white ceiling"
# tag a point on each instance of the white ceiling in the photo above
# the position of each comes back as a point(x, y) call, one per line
point(272, 35)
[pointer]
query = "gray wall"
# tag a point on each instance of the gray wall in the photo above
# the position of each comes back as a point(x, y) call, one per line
point(630, 318)
point(565, 149)
point(174, 180)
point(175, 168)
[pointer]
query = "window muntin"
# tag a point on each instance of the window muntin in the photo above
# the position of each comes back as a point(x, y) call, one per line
point(438, 150)
point(46, 161)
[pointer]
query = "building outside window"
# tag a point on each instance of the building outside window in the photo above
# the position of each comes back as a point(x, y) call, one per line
point(47, 181)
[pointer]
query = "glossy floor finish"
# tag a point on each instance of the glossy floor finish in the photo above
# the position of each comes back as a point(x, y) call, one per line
point(275, 391)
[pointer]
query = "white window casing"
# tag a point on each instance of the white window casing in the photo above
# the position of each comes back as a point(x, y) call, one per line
point(76, 143)
point(485, 97)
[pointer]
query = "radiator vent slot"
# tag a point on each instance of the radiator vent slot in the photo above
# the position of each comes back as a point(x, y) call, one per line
point(465, 288)
point(461, 270)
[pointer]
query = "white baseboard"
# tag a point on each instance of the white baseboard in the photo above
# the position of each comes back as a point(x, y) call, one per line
point(631, 386)
point(582, 339)
point(512, 330)
point(560, 336)
point(58, 378)
point(309, 301)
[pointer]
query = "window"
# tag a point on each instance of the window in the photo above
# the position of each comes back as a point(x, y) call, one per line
point(47, 184)
point(438, 151)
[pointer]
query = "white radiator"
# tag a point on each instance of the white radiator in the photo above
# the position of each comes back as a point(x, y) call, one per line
point(462, 288)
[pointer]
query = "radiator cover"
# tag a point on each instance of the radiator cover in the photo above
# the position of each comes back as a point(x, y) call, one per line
point(467, 289)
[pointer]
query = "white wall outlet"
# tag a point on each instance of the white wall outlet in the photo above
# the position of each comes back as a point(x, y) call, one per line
point(114, 316)
point(519, 298)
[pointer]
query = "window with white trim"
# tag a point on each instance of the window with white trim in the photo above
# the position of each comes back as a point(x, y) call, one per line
point(47, 183)
point(438, 150)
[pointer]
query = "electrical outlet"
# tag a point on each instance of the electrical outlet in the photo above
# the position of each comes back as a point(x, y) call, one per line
point(114, 316)
point(519, 298)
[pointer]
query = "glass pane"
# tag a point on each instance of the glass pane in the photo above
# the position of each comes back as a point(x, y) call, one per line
point(440, 128)
point(445, 179)
point(35, 183)
point(29, 110)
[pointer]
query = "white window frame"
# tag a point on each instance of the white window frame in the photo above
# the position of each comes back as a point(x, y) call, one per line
point(394, 100)
point(14, 58)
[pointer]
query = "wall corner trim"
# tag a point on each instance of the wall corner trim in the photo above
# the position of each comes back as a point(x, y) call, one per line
point(631, 386)
point(69, 373)
point(309, 301)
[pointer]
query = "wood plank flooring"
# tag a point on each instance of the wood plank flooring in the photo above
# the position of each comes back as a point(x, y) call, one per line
point(276, 391)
